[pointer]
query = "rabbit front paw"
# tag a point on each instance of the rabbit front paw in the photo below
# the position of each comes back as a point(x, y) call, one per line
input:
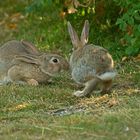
point(33, 82)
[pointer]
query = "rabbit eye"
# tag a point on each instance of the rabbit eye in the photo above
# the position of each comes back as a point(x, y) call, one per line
point(55, 60)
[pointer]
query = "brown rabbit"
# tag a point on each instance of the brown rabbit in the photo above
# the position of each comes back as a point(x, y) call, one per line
point(90, 64)
point(21, 62)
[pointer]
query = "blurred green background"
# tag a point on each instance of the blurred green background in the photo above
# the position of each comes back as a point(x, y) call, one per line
point(114, 24)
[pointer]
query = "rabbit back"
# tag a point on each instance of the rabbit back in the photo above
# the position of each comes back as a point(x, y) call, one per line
point(9, 50)
point(90, 61)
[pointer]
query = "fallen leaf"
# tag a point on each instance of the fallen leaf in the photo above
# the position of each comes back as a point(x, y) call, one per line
point(12, 26)
point(124, 58)
point(137, 58)
point(71, 10)
point(112, 102)
point(19, 107)
point(16, 17)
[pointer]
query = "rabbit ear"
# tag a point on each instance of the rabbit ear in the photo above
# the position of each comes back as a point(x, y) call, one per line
point(30, 46)
point(73, 35)
point(85, 33)
point(32, 59)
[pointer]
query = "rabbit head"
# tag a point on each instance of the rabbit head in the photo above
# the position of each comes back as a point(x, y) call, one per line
point(49, 64)
point(90, 64)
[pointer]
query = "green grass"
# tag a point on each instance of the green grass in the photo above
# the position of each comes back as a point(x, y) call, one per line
point(51, 111)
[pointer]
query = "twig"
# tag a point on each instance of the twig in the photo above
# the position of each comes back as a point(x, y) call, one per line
point(71, 127)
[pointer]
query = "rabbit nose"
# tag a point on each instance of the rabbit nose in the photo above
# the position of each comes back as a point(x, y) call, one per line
point(66, 66)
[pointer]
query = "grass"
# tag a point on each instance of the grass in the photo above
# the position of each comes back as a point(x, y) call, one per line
point(51, 111)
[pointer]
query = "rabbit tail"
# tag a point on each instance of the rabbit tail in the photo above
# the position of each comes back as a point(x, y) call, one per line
point(107, 76)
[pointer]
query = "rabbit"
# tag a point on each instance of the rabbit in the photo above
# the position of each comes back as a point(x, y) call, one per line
point(90, 65)
point(21, 62)
point(12, 48)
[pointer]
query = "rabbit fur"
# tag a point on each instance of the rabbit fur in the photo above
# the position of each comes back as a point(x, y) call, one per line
point(91, 65)
point(21, 62)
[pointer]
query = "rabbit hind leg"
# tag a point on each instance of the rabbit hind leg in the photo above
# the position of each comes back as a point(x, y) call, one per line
point(17, 76)
point(89, 87)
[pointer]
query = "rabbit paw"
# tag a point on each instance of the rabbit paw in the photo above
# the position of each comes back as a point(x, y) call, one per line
point(79, 94)
point(32, 82)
